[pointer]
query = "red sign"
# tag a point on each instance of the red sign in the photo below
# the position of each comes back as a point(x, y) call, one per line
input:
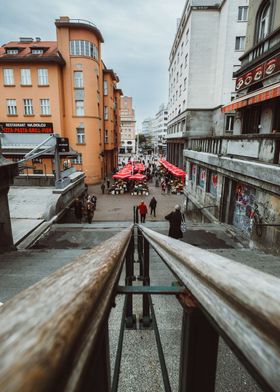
point(258, 73)
point(26, 127)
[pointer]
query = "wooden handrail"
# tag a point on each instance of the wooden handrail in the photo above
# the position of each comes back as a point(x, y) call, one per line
point(243, 303)
point(49, 331)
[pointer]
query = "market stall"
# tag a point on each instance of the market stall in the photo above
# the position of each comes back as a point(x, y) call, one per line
point(177, 179)
point(140, 186)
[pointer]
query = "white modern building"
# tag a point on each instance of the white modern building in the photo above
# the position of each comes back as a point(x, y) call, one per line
point(147, 127)
point(160, 129)
point(128, 126)
point(209, 41)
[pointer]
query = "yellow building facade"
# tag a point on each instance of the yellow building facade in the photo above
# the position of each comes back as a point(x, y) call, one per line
point(65, 85)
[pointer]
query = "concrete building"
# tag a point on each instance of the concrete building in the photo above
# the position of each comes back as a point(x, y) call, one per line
point(128, 126)
point(147, 127)
point(239, 173)
point(61, 87)
point(209, 40)
point(160, 130)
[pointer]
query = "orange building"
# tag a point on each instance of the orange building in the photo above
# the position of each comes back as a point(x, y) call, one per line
point(61, 87)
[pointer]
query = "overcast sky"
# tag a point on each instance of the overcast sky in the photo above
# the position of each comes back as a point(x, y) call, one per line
point(138, 35)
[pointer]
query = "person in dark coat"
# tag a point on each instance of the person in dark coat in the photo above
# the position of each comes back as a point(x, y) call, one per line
point(103, 188)
point(78, 209)
point(152, 205)
point(175, 220)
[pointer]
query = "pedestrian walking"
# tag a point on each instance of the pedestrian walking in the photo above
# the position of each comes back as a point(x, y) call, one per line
point(78, 209)
point(108, 183)
point(163, 187)
point(153, 205)
point(93, 199)
point(175, 220)
point(168, 188)
point(89, 207)
point(142, 208)
point(103, 188)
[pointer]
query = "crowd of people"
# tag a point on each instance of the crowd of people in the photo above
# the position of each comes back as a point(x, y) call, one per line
point(84, 207)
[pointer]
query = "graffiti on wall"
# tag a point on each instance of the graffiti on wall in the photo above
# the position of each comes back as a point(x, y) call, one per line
point(213, 184)
point(202, 177)
point(245, 200)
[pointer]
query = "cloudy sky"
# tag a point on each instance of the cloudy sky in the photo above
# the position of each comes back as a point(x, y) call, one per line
point(138, 37)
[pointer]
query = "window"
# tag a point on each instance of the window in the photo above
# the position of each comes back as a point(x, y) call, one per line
point(45, 106)
point(25, 76)
point(240, 43)
point(78, 79)
point(181, 69)
point(37, 51)
point(28, 107)
point(11, 106)
point(177, 76)
point(80, 111)
point(81, 134)
point(43, 77)
point(83, 48)
point(186, 60)
point(180, 90)
point(229, 123)
point(106, 113)
point(242, 14)
point(8, 77)
point(185, 84)
point(78, 160)
point(187, 36)
point(105, 87)
point(12, 51)
point(106, 136)
point(263, 21)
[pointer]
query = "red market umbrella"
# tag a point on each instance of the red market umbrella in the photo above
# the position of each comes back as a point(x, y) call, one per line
point(137, 177)
point(121, 176)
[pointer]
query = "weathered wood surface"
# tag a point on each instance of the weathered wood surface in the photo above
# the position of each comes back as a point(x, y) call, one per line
point(244, 302)
point(48, 331)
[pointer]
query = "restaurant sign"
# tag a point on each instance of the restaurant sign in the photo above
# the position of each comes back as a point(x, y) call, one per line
point(21, 127)
point(255, 75)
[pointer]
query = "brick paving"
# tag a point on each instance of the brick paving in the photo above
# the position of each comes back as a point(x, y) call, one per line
point(120, 207)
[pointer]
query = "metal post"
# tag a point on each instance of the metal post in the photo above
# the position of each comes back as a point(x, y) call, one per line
point(140, 253)
point(199, 350)
point(98, 376)
point(130, 319)
point(146, 320)
point(57, 166)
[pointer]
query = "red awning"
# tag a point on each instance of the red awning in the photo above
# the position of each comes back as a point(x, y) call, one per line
point(255, 97)
point(137, 177)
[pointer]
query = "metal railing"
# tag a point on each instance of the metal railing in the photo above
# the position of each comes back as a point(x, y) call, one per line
point(266, 45)
point(227, 299)
point(266, 146)
point(54, 335)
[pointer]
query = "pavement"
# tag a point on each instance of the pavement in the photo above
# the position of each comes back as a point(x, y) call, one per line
point(29, 208)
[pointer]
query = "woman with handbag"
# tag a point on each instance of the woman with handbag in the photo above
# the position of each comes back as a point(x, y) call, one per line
point(175, 219)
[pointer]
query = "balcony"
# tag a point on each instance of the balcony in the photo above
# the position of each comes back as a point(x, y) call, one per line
point(261, 147)
point(261, 50)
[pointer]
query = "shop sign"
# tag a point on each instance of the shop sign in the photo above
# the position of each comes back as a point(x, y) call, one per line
point(21, 127)
point(262, 71)
point(62, 144)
